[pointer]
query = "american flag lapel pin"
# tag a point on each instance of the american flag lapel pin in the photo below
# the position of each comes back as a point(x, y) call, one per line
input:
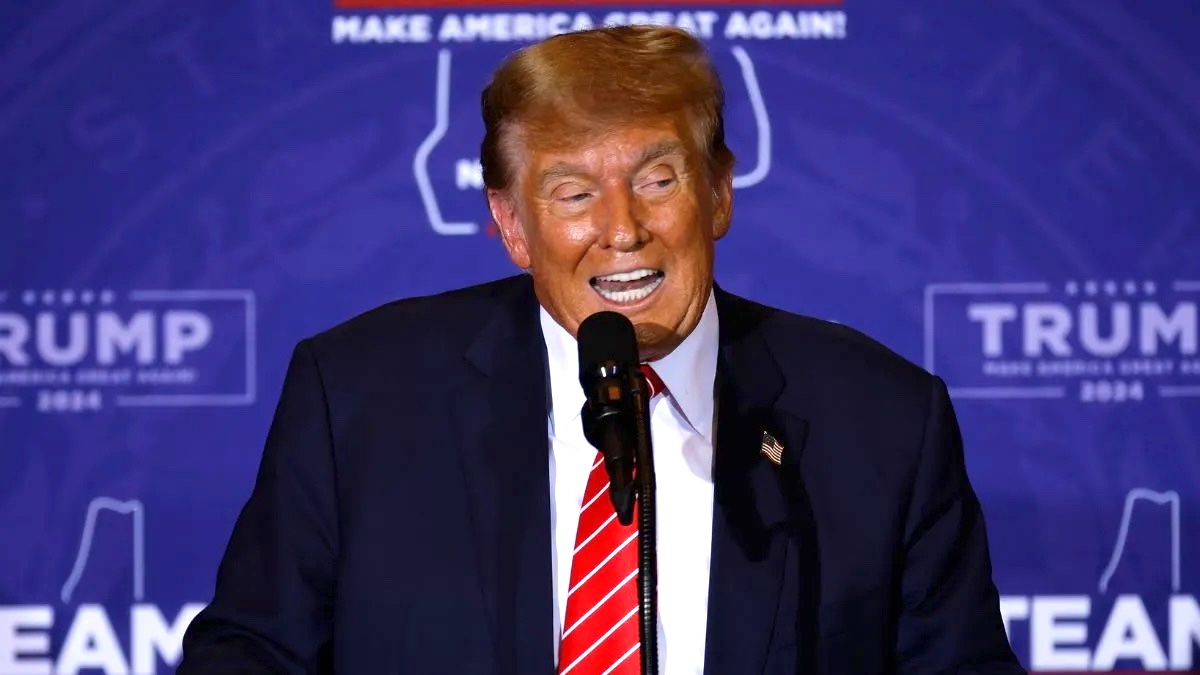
point(772, 449)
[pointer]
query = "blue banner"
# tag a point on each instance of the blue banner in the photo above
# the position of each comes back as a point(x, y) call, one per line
point(1007, 193)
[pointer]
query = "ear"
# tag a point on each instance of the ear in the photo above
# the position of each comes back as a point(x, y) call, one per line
point(504, 213)
point(722, 204)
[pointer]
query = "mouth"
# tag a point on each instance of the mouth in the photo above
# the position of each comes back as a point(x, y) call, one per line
point(627, 288)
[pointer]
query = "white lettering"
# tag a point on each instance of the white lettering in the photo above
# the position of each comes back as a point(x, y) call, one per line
point(91, 643)
point(468, 174)
point(1159, 329)
point(763, 25)
point(1129, 635)
point(1184, 620)
point(112, 337)
point(14, 333)
point(823, 25)
point(346, 28)
point(151, 636)
point(452, 29)
point(760, 25)
point(1058, 632)
point(737, 26)
point(372, 30)
point(651, 18)
point(992, 316)
point(421, 27)
point(23, 637)
point(1047, 326)
point(582, 22)
point(77, 339)
point(381, 29)
point(1089, 329)
point(184, 331)
point(476, 26)
point(699, 24)
point(509, 27)
point(1103, 331)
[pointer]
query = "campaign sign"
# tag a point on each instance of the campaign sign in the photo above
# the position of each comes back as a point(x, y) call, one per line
point(77, 351)
point(1092, 341)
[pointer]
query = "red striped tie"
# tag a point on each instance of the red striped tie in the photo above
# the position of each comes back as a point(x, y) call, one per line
point(600, 634)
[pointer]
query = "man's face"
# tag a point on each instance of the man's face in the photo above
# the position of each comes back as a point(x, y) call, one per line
point(623, 222)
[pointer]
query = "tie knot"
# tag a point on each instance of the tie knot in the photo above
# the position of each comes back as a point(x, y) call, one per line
point(656, 384)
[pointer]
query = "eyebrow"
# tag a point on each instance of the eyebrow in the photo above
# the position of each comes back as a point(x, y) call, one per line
point(660, 150)
point(649, 154)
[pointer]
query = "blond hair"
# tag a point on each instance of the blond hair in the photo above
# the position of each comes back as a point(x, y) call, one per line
point(579, 84)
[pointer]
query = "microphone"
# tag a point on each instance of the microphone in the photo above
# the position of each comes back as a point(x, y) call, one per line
point(608, 359)
point(616, 420)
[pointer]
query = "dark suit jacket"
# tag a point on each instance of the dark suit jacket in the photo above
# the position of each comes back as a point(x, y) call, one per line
point(400, 522)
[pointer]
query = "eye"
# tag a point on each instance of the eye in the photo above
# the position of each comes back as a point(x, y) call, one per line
point(660, 180)
point(571, 192)
point(574, 197)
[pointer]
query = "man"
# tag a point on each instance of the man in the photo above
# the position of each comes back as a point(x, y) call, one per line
point(427, 502)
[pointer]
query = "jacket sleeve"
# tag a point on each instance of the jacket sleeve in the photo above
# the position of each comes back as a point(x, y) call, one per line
point(950, 619)
point(272, 608)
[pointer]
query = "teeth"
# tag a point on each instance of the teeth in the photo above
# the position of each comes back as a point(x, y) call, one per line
point(629, 276)
point(631, 296)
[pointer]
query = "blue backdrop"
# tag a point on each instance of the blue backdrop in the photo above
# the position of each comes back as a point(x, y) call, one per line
point(1005, 192)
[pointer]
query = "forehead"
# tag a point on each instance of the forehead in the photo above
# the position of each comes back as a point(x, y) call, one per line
point(617, 150)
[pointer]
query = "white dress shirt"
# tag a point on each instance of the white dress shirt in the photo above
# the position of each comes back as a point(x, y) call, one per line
point(681, 429)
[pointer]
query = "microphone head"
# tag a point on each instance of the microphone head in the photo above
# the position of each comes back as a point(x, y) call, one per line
point(606, 337)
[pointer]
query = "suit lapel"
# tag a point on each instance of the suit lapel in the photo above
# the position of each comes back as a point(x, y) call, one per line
point(500, 416)
point(755, 563)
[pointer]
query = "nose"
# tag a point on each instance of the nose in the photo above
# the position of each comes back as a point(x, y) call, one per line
point(622, 221)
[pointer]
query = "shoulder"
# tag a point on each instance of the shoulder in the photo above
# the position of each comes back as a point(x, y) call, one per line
point(415, 336)
point(869, 410)
point(835, 363)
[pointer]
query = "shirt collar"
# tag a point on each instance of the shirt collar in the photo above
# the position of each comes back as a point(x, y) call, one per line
point(689, 372)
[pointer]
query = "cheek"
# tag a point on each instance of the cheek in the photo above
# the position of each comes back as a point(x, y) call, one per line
point(576, 235)
point(562, 245)
point(685, 237)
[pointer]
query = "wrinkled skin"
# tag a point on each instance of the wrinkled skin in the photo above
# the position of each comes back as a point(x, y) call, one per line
point(638, 197)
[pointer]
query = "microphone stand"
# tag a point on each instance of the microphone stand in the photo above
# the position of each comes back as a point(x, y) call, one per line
point(647, 536)
point(631, 484)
